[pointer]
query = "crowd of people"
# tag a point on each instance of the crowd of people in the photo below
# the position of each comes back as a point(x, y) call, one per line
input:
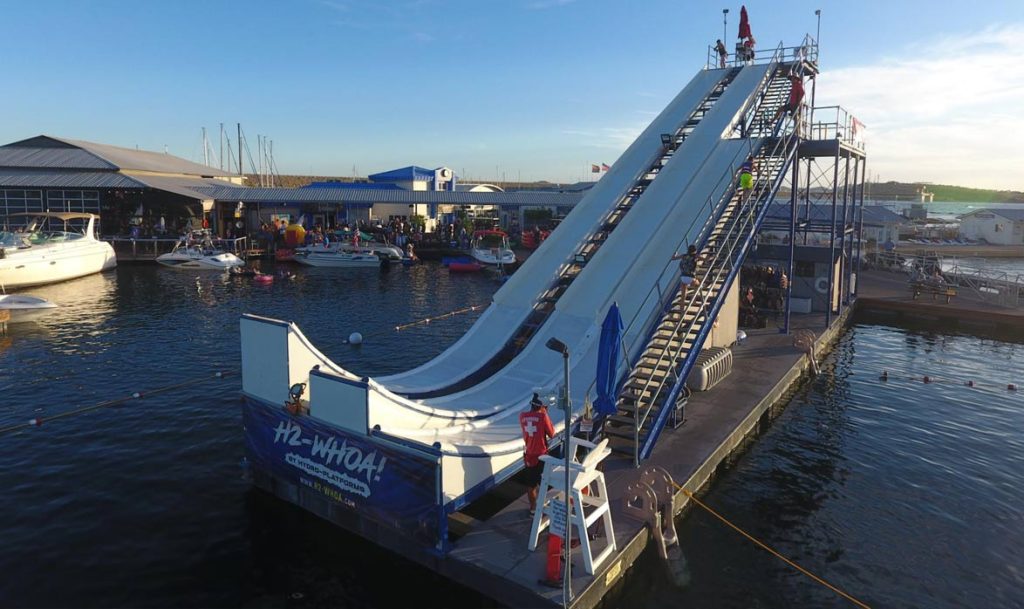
point(398, 231)
point(763, 292)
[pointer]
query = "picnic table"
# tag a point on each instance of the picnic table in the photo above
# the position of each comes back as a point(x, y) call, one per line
point(935, 289)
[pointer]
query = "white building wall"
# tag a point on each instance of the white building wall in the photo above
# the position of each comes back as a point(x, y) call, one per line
point(993, 228)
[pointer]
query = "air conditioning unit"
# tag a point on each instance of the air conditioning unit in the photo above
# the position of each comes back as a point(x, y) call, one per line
point(713, 364)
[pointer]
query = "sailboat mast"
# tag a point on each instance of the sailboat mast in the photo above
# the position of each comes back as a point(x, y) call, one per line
point(206, 150)
point(240, 172)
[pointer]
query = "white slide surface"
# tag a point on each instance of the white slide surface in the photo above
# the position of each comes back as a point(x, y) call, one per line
point(477, 429)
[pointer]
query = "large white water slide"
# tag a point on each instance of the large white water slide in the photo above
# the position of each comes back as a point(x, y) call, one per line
point(476, 429)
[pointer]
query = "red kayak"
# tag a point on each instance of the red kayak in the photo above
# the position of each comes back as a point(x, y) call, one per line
point(464, 267)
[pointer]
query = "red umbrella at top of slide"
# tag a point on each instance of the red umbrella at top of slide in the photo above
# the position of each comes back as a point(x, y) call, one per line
point(744, 24)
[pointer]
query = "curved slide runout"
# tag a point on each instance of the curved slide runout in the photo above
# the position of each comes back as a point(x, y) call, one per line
point(515, 300)
point(476, 431)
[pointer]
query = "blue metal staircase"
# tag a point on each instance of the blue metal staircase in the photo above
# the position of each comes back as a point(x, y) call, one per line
point(657, 378)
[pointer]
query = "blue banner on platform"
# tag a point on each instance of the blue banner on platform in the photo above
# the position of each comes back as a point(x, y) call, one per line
point(391, 487)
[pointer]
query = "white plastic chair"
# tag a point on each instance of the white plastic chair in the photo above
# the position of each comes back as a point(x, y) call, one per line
point(583, 476)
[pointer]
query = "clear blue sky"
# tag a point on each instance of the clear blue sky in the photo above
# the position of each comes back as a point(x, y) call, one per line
point(530, 88)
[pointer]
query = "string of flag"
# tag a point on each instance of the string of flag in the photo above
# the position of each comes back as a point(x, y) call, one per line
point(595, 168)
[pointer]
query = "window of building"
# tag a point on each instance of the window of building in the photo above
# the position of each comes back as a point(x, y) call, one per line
point(82, 201)
point(19, 201)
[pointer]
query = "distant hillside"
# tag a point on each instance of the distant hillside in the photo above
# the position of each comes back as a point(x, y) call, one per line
point(943, 193)
point(900, 191)
point(295, 181)
point(253, 180)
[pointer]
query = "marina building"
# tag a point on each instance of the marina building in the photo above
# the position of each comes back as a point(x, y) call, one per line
point(995, 226)
point(47, 173)
point(148, 194)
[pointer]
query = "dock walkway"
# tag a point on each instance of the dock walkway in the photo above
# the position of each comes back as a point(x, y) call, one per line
point(493, 555)
point(890, 292)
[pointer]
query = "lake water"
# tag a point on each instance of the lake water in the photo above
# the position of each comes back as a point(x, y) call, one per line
point(904, 494)
point(900, 493)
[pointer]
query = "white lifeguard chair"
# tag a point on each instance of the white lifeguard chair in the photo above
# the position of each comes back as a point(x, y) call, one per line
point(585, 510)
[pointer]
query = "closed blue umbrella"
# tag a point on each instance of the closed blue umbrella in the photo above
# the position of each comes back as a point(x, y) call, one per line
point(607, 361)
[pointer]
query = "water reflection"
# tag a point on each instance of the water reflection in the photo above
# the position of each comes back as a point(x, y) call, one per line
point(905, 494)
point(143, 504)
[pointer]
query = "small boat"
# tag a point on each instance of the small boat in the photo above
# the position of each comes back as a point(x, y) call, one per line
point(40, 253)
point(381, 249)
point(25, 307)
point(491, 247)
point(447, 260)
point(196, 252)
point(284, 254)
point(338, 259)
point(464, 267)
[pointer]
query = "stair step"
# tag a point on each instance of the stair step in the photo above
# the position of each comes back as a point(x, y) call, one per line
point(624, 420)
point(622, 432)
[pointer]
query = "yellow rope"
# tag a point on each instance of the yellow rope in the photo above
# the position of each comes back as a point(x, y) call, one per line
point(773, 552)
point(114, 402)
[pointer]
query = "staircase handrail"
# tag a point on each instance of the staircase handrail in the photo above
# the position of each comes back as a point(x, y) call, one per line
point(728, 174)
point(680, 375)
point(710, 265)
point(716, 304)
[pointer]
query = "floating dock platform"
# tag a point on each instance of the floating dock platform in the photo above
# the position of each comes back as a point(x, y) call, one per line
point(492, 557)
point(404, 460)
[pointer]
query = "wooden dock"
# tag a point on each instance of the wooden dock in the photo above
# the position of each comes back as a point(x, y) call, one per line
point(492, 556)
point(889, 292)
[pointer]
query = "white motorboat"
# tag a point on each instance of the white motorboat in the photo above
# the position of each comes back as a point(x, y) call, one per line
point(390, 252)
point(38, 254)
point(341, 259)
point(25, 307)
point(196, 252)
point(491, 247)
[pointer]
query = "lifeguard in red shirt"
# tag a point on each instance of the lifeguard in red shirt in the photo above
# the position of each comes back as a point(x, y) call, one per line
point(537, 429)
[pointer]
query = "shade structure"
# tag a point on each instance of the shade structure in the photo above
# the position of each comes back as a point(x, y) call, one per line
point(744, 24)
point(607, 361)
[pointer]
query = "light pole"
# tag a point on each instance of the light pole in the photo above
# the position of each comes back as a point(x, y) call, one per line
point(558, 346)
point(817, 34)
point(725, 36)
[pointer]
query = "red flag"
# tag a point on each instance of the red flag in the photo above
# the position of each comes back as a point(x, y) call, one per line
point(595, 168)
point(858, 128)
point(744, 23)
point(605, 166)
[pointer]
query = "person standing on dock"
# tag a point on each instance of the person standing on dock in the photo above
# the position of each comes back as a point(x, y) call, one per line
point(723, 54)
point(537, 430)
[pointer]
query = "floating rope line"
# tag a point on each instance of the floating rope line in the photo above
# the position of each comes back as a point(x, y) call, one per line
point(426, 320)
point(138, 395)
point(771, 551)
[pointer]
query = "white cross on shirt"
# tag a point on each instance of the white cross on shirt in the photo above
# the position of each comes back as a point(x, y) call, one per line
point(529, 428)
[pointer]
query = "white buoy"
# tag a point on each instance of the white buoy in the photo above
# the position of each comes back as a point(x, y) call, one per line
point(355, 338)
